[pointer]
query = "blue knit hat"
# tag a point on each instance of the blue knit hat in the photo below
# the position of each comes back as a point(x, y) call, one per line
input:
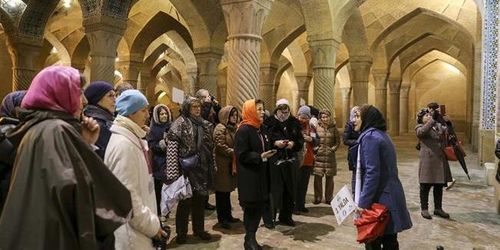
point(304, 111)
point(130, 101)
point(96, 91)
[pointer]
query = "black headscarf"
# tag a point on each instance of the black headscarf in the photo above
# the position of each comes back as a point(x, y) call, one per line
point(372, 118)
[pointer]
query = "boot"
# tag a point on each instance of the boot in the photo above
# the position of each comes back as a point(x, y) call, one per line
point(426, 214)
point(251, 243)
point(441, 213)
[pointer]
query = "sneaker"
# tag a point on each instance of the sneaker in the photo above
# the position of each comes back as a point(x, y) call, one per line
point(203, 235)
point(441, 213)
point(426, 214)
point(181, 239)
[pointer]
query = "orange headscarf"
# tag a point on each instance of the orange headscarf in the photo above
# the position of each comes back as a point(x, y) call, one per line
point(250, 116)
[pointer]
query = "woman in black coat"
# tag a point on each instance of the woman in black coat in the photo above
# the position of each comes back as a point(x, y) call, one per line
point(350, 138)
point(251, 146)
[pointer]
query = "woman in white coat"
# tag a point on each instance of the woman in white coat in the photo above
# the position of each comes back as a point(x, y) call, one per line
point(127, 157)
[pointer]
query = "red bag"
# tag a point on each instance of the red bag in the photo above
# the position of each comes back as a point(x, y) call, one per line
point(372, 223)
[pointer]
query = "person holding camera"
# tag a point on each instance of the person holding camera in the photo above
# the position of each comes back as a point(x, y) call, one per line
point(434, 170)
point(209, 111)
point(286, 136)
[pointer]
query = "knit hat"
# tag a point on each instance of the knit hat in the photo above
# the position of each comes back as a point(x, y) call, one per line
point(282, 101)
point(96, 91)
point(130, 101)
point(304, 111)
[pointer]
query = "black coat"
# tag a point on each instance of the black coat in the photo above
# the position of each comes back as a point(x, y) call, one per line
point(105, 119)
point(283, 173)
point(350, 138)
point(253, 173)
point(156, 134)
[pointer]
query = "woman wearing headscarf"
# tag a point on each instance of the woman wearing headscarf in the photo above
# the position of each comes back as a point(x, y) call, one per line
point(101, 106)
point(306, 159)
point(8, 121)
point(190, 135)
point(285, 133)
point(252, 150)
point(159, 126)
point(377, 178)
point(325, 163)
point(225, 175)
point(62, 195)
point(350, 138)
point(127, 157)
point(434, 170)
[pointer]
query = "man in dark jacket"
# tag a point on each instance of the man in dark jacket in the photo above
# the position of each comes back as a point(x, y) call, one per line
point(209, 111)
point(101, 106)
point(286, 136)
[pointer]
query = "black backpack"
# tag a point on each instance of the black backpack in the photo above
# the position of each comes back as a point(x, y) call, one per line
point(7, 156)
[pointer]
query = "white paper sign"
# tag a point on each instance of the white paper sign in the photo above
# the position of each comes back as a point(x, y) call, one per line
point(342, 204)
point(177, 95)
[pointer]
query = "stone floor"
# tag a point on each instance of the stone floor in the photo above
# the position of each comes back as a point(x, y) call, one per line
point(473, 224)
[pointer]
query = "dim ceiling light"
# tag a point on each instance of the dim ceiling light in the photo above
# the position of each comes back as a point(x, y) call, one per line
point(67, 3)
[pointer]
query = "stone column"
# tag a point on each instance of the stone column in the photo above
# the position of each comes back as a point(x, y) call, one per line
point(208, 61)
point(147, 82)
point(23, 54)
point(394, 90)
point(303, 81)
point(189, 84)
point(323, 55)
point(267, 88)
point(244, 20)
point(359, 71)
point(346, 103)
point(104, 34)
point(403, 110)
point(222, 86)
point(380, 78)
point(130, 69)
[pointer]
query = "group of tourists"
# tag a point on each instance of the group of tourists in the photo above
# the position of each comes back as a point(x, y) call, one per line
point(84, 168)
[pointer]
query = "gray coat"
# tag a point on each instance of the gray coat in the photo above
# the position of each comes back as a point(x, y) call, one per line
point(433, 167)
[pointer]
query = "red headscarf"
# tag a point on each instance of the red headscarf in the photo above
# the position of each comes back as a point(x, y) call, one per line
point(250, 116)
point(55, 88)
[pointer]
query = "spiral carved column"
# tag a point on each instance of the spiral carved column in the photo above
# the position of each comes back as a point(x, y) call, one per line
point(346, 100)
point(267, 87)
point(303, 81)
point(208, 62)
point(324, 73)
point(244, 20)
point(380, 91)
point(103, 36)
point(24, 56)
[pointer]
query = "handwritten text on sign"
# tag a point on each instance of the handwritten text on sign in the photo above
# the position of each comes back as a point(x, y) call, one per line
point(342, 204)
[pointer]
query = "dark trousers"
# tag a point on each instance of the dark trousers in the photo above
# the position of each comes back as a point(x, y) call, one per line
point(389, 242)
point(158, 186)
point(425, 188)
point(285, 213)
point(318, 188)
point(194, 206)
point(251, 218)
point(303, 175)
point(223, 205)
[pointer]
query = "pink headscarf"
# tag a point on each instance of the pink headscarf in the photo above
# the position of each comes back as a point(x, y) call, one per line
point(54, 88)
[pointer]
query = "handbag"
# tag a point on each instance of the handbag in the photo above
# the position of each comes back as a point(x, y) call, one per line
point(189, 163)
point(372, 223)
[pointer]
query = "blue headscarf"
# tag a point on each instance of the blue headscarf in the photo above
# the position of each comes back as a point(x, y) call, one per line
point(10, 102)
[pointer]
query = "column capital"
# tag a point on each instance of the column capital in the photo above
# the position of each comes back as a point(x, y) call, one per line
point(104, 23)
point(394, 85)
point(244, 18)
point(323, 53)
point(208, 52)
